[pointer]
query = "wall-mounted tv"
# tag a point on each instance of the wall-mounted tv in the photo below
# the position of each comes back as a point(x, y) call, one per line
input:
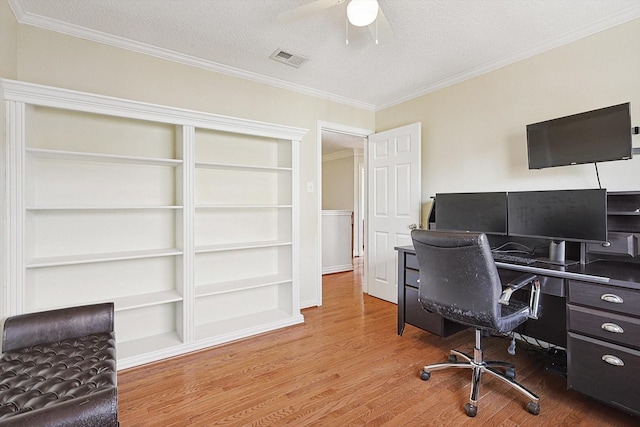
point(594, 136)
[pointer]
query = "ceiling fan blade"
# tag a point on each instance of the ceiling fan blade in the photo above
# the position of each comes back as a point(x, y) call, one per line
point(384, 31)
point(306, 10)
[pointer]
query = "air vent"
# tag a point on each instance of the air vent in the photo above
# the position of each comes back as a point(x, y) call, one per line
point(289, 58)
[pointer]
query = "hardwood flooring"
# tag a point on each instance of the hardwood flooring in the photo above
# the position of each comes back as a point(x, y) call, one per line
point(346, 366)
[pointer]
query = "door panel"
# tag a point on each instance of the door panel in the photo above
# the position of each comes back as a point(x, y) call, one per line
point(394, 204)
point(381, 183)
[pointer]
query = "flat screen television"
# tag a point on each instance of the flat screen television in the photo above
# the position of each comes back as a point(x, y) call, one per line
point(594, 136)
point(478, 212)
point(559, 215)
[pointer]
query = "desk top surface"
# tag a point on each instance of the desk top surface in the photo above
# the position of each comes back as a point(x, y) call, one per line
point(614, 273)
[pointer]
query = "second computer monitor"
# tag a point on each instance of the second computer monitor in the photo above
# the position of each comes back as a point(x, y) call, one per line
point(478, 212)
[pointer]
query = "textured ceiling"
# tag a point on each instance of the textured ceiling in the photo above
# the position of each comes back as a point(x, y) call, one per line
point(435, 43)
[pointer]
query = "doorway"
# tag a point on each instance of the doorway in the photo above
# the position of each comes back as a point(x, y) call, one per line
point(333, 141)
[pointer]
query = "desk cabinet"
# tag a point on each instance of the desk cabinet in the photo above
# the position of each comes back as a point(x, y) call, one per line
point(409, 308)
point(623, 223)
point(604, 343)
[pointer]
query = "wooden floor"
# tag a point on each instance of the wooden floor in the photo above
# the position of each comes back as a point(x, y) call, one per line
point(345, 366)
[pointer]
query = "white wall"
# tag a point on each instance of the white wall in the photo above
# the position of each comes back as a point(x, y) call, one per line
point(54, 59)
point(336, 241)
point(473, 133)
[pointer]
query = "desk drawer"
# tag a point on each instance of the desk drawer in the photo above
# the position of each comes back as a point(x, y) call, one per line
point(418, 316)
point(432, 322)
point(611, 327)
point(411, 278)
point(610, 298)
point(411, 261)
point(588, 373)
point(619, 244)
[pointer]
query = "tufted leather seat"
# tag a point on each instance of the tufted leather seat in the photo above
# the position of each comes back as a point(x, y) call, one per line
point(67, 382)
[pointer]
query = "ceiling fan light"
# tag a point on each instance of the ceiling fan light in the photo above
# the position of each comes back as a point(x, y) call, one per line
point(362, 12)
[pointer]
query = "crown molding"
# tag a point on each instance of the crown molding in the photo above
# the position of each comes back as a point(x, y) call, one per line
point(39, 21)
point(627, 15)
point(27, 18)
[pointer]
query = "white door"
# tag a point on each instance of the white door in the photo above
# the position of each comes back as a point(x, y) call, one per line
point(393, 164)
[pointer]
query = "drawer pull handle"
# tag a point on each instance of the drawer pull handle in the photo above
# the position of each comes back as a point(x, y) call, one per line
point(612, 327)
point(612, 298)
point(612, 360)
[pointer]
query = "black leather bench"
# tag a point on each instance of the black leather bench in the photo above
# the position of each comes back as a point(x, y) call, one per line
point(58, 368)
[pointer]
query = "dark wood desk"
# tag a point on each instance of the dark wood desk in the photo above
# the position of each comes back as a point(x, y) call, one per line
point(591, 310)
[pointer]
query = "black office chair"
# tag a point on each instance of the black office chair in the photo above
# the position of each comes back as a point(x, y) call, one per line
point(459, 280)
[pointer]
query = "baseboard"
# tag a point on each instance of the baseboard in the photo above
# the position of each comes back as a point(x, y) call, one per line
point(337, 268)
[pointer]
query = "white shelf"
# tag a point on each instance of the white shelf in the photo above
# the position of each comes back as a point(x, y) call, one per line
point(240, 285)
point(104, 257)
point(146, 300)
point(102, 158)
point(212, 165)
point(133, 348)
point(243, 206)
point(241, 246)
point(100, 208)
point(132, 302)
point(236, 324)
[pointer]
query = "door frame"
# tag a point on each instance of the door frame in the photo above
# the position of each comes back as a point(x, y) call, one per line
point(349, 130)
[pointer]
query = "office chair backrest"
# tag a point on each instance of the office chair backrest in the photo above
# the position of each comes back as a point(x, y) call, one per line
point(458, 277)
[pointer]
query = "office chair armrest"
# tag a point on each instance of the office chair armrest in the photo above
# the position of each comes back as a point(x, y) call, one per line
point(520, 282)
point(514, 285)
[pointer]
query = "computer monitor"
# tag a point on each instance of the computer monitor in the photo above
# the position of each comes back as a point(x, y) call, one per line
point(559, 215)
point(478, 212)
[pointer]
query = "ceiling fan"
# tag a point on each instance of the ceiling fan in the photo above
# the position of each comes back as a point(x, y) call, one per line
point(360, 13)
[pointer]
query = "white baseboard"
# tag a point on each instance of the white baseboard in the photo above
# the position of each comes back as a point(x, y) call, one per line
point(337, 268)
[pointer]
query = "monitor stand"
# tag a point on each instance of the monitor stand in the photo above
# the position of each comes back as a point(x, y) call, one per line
point(557, 254)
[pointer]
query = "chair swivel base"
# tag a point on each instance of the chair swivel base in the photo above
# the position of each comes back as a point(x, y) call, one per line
point(479, 366)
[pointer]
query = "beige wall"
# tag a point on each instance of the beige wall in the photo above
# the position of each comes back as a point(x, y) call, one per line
point(473, 133)
point(59, 60)
point(8, 69)
point(8, 44)
point(337, 184)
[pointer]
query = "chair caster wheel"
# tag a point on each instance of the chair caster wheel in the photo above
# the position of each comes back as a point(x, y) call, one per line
point(453, 358)
point(425, 375)
point(510, 373)
point(533, 408)
point(471, 410)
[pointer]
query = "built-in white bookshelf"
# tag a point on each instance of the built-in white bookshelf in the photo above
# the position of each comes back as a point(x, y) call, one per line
point(243, 217)
point(185, 220)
